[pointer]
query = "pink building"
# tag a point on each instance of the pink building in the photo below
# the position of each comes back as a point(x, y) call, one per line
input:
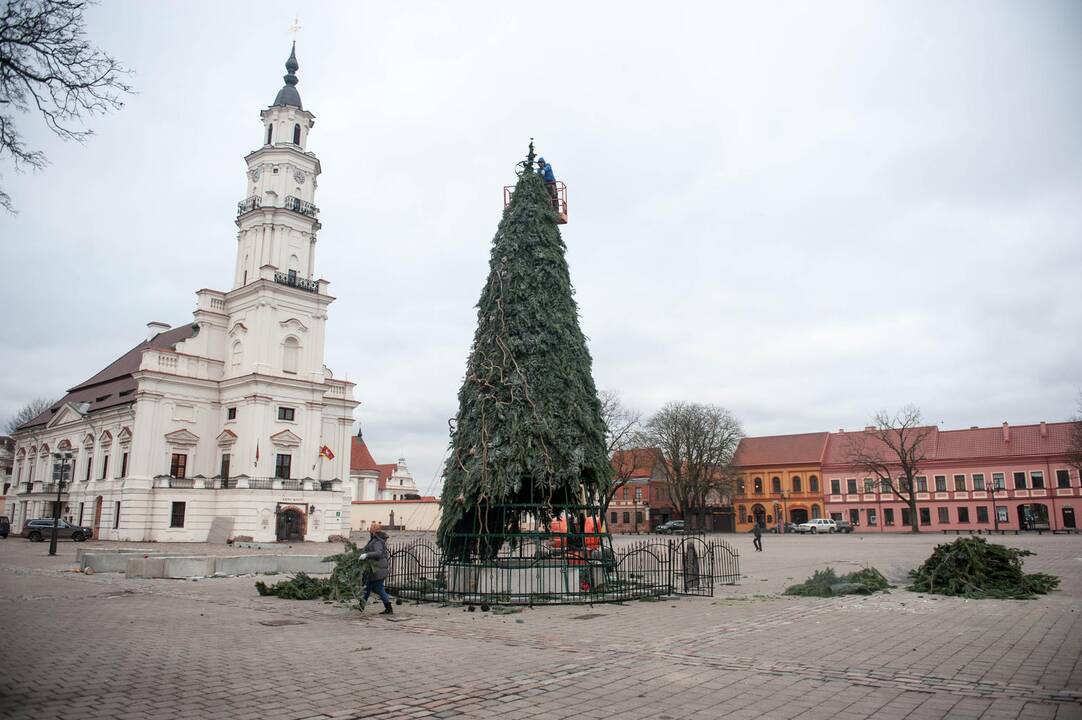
point(1014, 478)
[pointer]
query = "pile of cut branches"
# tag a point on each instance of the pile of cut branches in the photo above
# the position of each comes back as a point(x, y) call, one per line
point(973, 568)
point(345, 584)
point(826, 583)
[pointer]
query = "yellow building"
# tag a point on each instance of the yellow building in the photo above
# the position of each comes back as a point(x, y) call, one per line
point(779, 480)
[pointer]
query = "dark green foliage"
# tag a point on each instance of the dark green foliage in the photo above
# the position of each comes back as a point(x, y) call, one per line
point(529, 427)
point(825, 583)
point(345, 583)
point(974, 568)
point(300, 587)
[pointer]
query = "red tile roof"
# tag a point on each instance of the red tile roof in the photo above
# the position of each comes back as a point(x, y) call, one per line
point(360, 458)
point(838, 448)
point(385, 474)
point(803, 449)
point(116, 378)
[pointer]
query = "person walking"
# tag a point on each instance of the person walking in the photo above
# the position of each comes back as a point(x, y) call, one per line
point(757, 531)
point(376, 549)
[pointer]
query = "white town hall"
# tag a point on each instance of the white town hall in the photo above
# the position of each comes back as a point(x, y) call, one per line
point(232, 419)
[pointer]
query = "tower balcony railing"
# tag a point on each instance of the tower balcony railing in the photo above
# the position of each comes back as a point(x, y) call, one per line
point(248, 204)
point(300, 206)
point(292, 280)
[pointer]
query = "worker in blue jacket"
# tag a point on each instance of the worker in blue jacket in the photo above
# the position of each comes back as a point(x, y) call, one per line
point(544, 169)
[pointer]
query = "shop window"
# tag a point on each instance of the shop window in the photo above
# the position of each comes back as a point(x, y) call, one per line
point(176, 517)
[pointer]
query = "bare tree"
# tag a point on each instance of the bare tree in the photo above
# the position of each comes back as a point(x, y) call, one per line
point(697, 443)
point(1074, 440)
point(27, 413)
point(892, 452)
point(623, 427)
point(48, 66)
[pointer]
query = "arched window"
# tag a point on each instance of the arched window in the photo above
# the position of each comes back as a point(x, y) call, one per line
point(758, 486)
point(296, 134)
point(815, 511)
point(740, 487)
point(741, 512)
point(813, 483)
point(291, 350)
point(270, 131)
point(796, 484)
point(238, 354)
point(775, 484)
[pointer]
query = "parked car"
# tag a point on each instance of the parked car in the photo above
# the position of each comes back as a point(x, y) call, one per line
point(844, 526)
point(41, 528)
point(5, 526)
point(673, 527)
point(817, 525)
point(786, 528)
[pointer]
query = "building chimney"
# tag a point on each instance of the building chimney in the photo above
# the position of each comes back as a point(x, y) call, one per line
point(1044, 430)
point(153, 328)
point(869, 428)
point(841, 430)
point(974, 427)
point(1006, 432)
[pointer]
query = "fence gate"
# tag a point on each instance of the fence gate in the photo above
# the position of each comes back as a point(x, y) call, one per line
point(698, 564)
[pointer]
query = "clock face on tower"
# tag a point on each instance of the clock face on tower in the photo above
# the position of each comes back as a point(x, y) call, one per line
point(254, 174)
point(299, 177)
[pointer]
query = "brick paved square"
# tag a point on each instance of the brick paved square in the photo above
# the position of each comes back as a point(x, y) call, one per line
point(104, 646)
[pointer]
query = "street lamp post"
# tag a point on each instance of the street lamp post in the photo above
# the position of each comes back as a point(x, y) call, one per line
point(60, 472)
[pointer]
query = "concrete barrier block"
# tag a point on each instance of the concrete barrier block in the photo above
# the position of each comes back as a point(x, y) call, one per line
point(145, 567)
point(311, 564)
point(105, 562)
point(246, 565)
point(186, 567)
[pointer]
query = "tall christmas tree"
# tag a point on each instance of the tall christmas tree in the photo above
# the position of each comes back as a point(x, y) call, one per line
point(528, 439)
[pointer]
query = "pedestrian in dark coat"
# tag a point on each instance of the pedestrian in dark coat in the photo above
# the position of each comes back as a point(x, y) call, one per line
point(376, 549)
point(757, 531)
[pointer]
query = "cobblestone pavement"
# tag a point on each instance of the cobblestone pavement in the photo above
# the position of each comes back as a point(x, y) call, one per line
point(103, 646)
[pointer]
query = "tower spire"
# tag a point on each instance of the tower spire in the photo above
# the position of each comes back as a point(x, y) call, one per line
point(288, 95)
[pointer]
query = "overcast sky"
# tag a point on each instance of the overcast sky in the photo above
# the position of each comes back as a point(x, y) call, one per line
point(804, 212)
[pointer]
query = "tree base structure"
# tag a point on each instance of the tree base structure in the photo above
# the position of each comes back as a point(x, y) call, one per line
point(568, 559)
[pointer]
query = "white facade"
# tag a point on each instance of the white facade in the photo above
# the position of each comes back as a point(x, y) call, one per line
point(226, 416)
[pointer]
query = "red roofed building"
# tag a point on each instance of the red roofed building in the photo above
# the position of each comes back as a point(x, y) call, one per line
point(779, 479)
point(642, 503)
point(378, 481)
point(1015, 478)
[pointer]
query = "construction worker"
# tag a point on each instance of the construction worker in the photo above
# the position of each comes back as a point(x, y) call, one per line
point(545, 171)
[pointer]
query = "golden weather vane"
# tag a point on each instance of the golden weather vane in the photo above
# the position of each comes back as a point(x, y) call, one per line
point(295, 27)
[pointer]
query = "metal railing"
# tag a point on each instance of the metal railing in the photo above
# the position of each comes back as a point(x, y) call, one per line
point(300, 206)
point(292, 280)
point(182, 483)
point(261, 483)
point(563, 570)
point(248, 204)
point(292, 484)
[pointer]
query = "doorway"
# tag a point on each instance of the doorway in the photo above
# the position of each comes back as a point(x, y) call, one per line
point(291, 525)
point(1033, 517)
point(1068, 517)
point(97, 518)
point(798, 516)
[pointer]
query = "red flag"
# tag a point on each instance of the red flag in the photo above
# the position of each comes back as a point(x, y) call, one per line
point(326, 452)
